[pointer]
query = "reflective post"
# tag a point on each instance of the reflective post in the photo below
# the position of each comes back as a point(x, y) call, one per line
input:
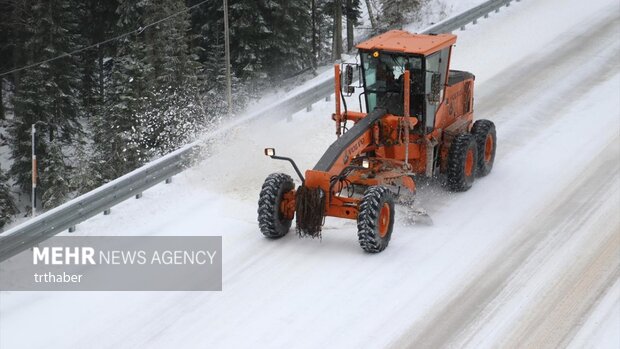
point(34, 174)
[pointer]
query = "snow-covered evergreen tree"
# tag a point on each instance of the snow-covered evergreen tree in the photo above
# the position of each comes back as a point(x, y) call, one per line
point(396, 13)
point(47, 94)
point(97, 23)
point(55, 177)
point(208, 40)
point(173, 115)
point(269, 39)
point(287, 44)
point(7, 205)
point(85, 176)
point(327, 12)
point(117, 133)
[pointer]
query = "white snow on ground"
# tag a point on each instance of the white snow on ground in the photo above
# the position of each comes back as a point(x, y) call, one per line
point(527, 258)
point(601, 328)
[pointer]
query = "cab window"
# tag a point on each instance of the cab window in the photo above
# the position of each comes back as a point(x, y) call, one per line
point(383, 77)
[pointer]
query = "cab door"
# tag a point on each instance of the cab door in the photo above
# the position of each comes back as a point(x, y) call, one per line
point(436, 70)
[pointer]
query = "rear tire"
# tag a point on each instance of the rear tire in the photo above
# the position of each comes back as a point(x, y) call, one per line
point(375, 219)
point(486, 139)
point(462, 162)
point(270, 220)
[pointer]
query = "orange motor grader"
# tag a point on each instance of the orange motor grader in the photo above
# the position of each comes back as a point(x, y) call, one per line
point(418, 122)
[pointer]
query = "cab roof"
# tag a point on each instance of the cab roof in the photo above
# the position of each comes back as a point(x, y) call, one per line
point(402, 41)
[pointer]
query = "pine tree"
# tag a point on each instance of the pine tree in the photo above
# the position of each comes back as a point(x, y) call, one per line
point(173, 115)
point(337, 31)
point(97, 23)
point(117, 132)
point(287, 43)
point(85, 175)
point(46, 95)
point(396, 13)
point(55, 177)
point(329, 26)
point(208, 43)
point(371, 15)
point(353, 13)
point(7, 205)
point(247, 32)
point(13, 16)
point(270, 39)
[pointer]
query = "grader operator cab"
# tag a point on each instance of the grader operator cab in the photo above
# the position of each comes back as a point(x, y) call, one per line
point(418, 121)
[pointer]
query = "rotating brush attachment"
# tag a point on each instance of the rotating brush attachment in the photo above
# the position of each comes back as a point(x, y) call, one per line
point(310, 211)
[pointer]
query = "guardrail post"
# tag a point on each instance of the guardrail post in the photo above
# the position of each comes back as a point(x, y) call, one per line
point(328, 98)
point(497, 10)
point(462, 28)
point(72, 229)
point(486, 15)
point(309, 108)
point(106, 212)
point(508, 4)
point(168, 180)
point(475, 21)
point(139, 195)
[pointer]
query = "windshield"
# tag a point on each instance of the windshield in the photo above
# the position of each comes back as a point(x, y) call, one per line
point(383, 74)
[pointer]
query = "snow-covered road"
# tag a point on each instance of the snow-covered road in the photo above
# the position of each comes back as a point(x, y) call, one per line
point(528, 258)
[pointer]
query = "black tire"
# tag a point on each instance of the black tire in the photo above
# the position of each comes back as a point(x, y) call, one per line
point(270, 220)
point(373, 233)
point(486, 139)
point(462, 162)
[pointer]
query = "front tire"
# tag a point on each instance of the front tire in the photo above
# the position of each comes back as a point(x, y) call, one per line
point(375, 219)
point(462, 162)
point(271, 221)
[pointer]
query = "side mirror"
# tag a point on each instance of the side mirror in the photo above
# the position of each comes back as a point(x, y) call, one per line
point(348, 75)
point(270, 152)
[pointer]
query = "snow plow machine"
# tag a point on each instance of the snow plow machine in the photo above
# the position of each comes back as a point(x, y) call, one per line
point(418, 122)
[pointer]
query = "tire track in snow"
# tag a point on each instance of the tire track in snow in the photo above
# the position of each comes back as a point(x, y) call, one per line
point(577, 233)
point(555, 319)
point(447, 324)
point(455, 316)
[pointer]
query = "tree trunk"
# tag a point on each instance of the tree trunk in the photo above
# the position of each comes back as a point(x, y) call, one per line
point(373, 22)
point(1, 99)
point(337, 37)
point(314, 38)
point(101, 74)
point(350, 34)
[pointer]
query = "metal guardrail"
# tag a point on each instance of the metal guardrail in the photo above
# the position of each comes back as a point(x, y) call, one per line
point(68, 215)
point(470, 16)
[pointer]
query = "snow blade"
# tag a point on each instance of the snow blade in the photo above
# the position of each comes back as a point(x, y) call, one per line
point(417, 215)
